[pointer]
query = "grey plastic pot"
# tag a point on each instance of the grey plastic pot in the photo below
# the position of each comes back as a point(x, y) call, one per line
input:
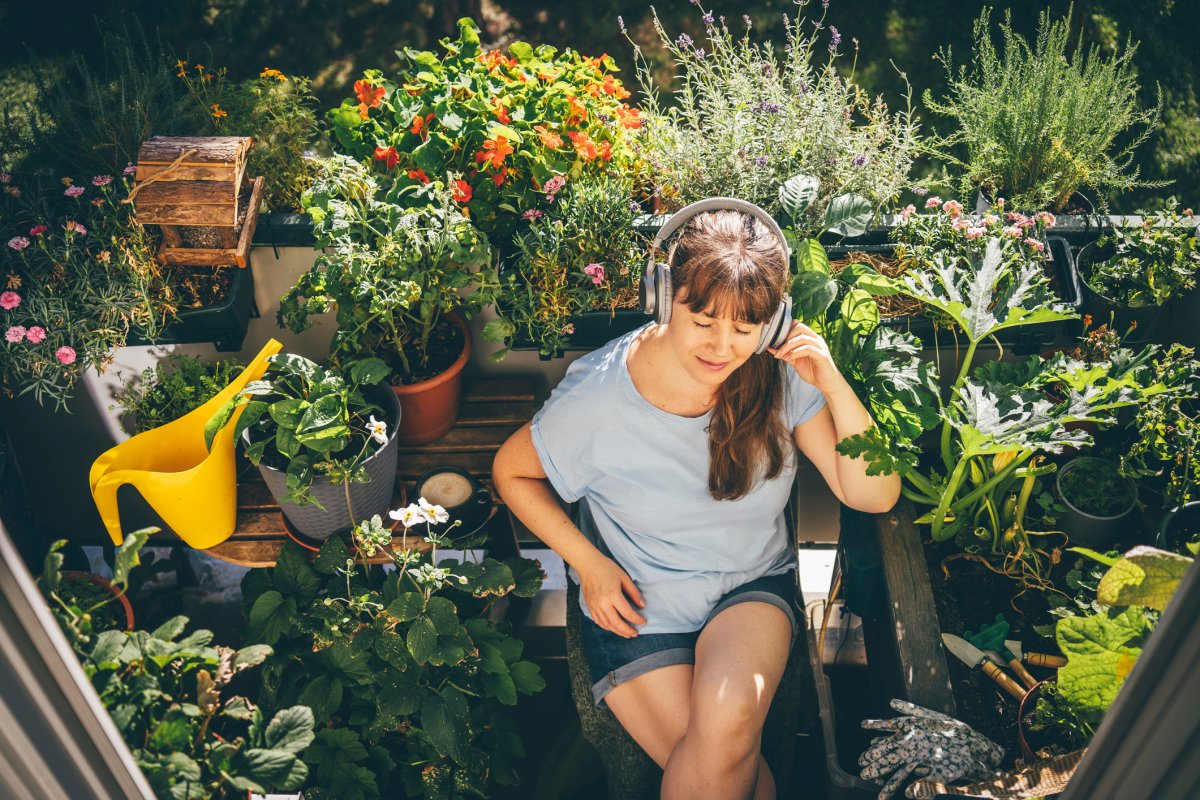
point(1148, 318)
point(1177, 525)
point(1088, 529)
point(366, 499)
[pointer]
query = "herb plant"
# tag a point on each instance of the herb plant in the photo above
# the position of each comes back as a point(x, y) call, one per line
point(1165, 455)
point(173, 387)
point(741, 121)
point(407, 675)
point(1035, 122)
point(309, 421)
point(392, 271)
point(1149, 264)
point(1097, 487)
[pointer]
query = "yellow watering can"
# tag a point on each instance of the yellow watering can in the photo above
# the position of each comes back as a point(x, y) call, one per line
point(192, 488)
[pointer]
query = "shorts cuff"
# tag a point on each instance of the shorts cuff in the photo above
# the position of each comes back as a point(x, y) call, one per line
point(760, 597)
point(640, 666)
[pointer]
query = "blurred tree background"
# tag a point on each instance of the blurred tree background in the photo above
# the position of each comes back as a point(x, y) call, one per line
point(332, 41)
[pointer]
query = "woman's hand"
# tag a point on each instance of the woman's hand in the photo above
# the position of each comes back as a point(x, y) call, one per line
point(608, 590)
point(808, 354)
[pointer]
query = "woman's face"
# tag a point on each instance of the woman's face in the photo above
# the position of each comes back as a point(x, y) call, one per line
point(710, 346)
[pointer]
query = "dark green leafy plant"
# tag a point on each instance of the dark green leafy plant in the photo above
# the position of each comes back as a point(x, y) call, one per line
point(1034, 123)
point(172, 388)
point(407, 675)
point(1097, 487)
point(1149, 264)
point(581, 255)
point(1165, 456)
point(308, 421)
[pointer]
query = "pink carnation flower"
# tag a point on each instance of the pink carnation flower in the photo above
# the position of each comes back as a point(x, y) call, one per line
point(975, 233)
point(9, 300)
point(990, 220)
point(1013, 231)
point(1035, 244)
point(5, 177)
point(961, 224)
point(129, 170)
point(102, 180)
point(36, 334)
point(65, 355)
point(73, 191)
point(37, 230)
point(953, 208)
point(1045, 218)
point(74, 227)
point(532, 213)
point(15, 334)
point(595, 272)
point(933, 202)
point(18, 243)
point(907, 212)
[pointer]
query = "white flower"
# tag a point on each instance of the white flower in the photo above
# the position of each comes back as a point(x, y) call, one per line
point(435, 515)
point(408, 516)
point(377, 429)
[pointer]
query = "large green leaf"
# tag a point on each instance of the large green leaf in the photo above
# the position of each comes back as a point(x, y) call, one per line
point(328, 411)
point(528, 677)
point(798, 193)
point(291, 730)
point(422, 639)
point(323, 695)
point(369, 371)
point(812, 293)
point(445, 719)
point(294, 576)
point(333, 747)
point(860, 312)
point(849, 215)
point(1100, 651)
point(268, 767)
point(270, 617)
point(128, 555)
point(407, 606)
point(811, 257)
point(1146, 576)
point(444, 616)
point(399, 694)
point(863, 276)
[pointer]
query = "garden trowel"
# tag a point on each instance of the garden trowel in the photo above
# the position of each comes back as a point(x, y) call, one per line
point(1035, 659)
point(973, 657)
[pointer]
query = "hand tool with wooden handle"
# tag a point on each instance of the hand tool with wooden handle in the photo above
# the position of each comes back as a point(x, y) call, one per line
point(972, 656)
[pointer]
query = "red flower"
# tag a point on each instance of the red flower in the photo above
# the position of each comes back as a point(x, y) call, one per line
point(462, 191)
point(589, 150)
point(420, 125)
point(368, 96)
point(500, 111)
point(494, 58)
point(548, 137)
point(494, 151)
point(418, 175)
point(615, 89)
point(388, 156)
point(500, 177)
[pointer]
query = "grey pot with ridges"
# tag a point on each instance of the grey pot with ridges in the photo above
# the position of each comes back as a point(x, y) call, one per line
point(366, 499)
point(1084, 528)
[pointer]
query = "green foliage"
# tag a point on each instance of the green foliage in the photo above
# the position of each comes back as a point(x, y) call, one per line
point(1096, 486)
point(308, 421)
point(498, 128)
point(393, 266)
point(1149, 264)
point(172, 388)
point(583, 255)
point(744, 121)
point(1165, 455)
point(1035, 123)
point(164, 694)
point(406, 674)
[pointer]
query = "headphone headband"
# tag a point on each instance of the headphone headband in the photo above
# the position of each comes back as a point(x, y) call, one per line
point(681, 217)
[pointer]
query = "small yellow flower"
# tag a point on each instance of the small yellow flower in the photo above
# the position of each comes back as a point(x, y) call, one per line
point(200, 67)
point(12, 281)
point(217, 112)
point(272, 73)
point(66, 181)
point(103, 256)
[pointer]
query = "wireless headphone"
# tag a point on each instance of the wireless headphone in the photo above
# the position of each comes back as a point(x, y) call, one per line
point(656, 289)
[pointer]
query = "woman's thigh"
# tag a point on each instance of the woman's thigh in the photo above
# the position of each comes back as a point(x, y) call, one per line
point(653, 708)
point(740, 658)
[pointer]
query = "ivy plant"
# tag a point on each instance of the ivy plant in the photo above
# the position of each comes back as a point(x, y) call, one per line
point(407, 673)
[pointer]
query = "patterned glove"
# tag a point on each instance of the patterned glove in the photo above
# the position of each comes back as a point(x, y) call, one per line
point(928, 744)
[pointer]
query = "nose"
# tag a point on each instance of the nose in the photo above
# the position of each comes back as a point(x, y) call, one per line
point(721, 341)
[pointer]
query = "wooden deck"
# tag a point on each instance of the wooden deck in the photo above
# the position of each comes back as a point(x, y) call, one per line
point(492, 409)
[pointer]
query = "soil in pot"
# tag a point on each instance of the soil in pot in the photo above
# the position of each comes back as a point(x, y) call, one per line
point(446, 343)
point(1097, 497)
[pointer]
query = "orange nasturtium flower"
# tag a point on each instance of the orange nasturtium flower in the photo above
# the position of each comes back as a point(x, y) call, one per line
point(500, 111)
point(494, 152)
point(494, 58)
point(420, 125)
point(589, 150)
point(500, 177)
point(217, 113)
point(629, 117)
point(418, 175)
point(548, 137)
point(462, 191)
point(368, 96)
point(579, 109)
point(615, 89)
point(387, 155)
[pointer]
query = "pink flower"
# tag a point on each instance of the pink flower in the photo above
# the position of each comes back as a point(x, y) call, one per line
point(1035, 244)
point(74, 227)
point(129, 170)
point(990, 219)
point(1013, 231)
point(953, 208)
point(35, 334)
point(553, 186)
point(15, 334)
point(1045, 218)
point(1000, 202)
point(933, 202)
point(73, 191)
point(37, 230)
point(102, 180)
point(975, 233)
point(5, 177)
point(532, 213)
point(907, 212)
point(961, 224)
point(65, 355)
point(569, 328)
point(18, 243)
point(9, 300)
point(595, 272)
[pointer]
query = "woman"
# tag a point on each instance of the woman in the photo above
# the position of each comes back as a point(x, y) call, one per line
point(679, 441)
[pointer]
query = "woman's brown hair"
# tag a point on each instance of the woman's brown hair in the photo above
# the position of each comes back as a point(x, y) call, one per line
point(729, 263)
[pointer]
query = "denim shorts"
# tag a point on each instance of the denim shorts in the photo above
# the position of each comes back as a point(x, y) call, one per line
point(613, 660)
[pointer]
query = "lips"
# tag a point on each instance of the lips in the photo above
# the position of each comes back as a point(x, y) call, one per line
point(715, 366)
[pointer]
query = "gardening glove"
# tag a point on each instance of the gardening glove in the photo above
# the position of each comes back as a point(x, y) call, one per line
point(927, 744)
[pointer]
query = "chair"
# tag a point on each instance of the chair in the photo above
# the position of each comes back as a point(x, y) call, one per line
point(193, 489)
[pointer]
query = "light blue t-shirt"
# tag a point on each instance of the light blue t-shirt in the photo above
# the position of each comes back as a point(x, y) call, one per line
point(643, 473)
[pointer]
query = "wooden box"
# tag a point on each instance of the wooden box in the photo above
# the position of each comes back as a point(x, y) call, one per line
point(195, 189)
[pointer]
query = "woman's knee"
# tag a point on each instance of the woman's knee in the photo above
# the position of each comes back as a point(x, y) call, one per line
point(728, 722)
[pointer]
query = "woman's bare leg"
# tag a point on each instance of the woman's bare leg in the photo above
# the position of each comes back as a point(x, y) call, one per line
point(654, 708)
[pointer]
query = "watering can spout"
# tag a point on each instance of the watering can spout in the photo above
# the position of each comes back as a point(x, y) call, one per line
point(193, 488)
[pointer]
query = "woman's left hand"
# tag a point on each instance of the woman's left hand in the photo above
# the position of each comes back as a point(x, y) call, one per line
point(809, 355)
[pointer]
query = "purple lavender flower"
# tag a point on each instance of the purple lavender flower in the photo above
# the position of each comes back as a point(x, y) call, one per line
point(746, 19)
point(859, 161)
point(708, 19)
point(684, 40)
point(634, 207)
point(621, 23)
point(769, 108)
point(761, 161)
point(835, 38)
point(920, 191)
point(700, 52)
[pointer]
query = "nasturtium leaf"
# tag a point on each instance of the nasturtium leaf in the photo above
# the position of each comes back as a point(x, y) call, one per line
point(1146, 576)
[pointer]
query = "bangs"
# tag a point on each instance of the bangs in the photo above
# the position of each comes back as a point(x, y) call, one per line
point(741, 293)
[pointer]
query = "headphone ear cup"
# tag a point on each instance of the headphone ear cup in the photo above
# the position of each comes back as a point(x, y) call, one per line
point(663, 293)
point(776, 330)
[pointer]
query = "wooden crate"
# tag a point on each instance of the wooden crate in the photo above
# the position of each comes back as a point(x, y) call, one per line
point(192, 187)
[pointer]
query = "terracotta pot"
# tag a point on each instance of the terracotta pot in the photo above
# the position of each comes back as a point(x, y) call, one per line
point(1029, 739)
point(430, 408)
point(106, 585)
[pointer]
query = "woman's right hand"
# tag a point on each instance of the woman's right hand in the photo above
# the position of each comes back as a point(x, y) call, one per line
point(608, 590)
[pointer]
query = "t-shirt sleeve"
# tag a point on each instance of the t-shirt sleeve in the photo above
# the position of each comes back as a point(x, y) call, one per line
point(562, 436)
point(804, 400)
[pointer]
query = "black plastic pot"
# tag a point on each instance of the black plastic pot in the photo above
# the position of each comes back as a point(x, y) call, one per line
point(1023, 339)
point(1084, 528)
point(223, 324)
point(1148, 318)
point(1178, 526)
point(284, 229)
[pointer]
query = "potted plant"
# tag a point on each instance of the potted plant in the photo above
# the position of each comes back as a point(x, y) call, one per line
point(1179, 531)
point(172, 388)
point(406, 672)
point(1097, 496)
point(1134, 274)
point(401, 279)
point(324, 440)
point(1034, 123)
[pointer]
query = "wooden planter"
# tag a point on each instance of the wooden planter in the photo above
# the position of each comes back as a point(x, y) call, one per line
point(197, 191)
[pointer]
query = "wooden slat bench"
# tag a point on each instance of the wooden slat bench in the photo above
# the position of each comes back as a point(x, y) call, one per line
point(492, 409)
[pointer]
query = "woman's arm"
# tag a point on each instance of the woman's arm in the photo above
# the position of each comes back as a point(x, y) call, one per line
point(844, 415)
point(520, 479)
